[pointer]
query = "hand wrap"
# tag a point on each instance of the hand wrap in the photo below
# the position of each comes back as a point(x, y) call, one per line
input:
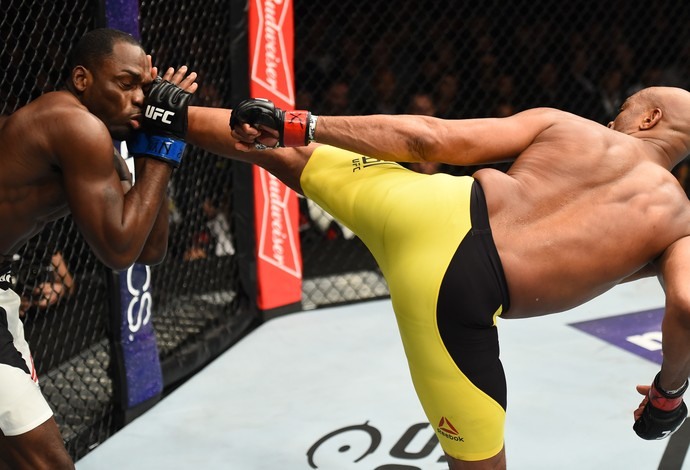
point(295, 128)
point(663, 414)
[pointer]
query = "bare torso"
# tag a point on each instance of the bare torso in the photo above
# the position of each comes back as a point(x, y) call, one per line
point(565, 233)
point(31, 181)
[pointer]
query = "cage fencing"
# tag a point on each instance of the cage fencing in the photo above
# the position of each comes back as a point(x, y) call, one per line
point(452, 60)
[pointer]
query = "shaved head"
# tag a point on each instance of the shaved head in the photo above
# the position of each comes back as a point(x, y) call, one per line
point(661, 114)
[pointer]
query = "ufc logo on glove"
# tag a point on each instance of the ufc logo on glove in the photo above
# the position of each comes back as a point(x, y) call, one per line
point(154, 113)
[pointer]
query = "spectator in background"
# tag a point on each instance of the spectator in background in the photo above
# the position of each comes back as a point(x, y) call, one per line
point(651, 76)
point(52, 283)
point(528, 40)
point(623, 56)
point(422, 104)
point(506, 92)
point(433, 62)
point(582, 97)
point(209, 95)
point(548, 87)
point(323, 222)
point(215, 239)
point(678, 72)
point(385, 99)
point(199, 246)
point(448, 97)
point(315, 64)
point(611, 94)
point(218, 225)
point(504, 109)
point(485, 79)
point(304, 99)
point(336, 99)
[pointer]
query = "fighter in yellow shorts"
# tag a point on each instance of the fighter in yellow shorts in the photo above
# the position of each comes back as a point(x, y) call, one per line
point(582, 208)
point(445, 279)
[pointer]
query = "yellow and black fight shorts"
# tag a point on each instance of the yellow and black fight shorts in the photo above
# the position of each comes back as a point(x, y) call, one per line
point(430, 236)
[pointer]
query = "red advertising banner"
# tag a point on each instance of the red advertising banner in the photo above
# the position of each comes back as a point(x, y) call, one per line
point(279, 258)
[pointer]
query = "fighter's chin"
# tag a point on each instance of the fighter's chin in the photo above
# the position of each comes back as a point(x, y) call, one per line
point(121, 132)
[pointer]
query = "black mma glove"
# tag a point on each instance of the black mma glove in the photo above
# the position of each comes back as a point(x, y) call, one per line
point(165, 124)
point(295, 128)
point(663, 414)
point(165, 109)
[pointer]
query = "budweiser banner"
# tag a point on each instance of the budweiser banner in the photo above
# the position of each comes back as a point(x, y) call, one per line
point(279, 260)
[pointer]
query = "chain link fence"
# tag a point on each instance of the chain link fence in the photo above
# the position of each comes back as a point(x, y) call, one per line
point(63, 287)
point(197, 288)
point(452, 60)
point(465, 60)
point(199, 306)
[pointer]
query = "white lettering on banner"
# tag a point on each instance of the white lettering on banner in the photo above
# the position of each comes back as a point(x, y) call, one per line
point(278, 234)
point(270, 63)
point(650, 341)
point(277, 240)
point(141, 300)
point(271, 32)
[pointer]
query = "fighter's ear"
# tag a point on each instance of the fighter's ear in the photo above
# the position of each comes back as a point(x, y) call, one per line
point(81, 78)
point(651, 119)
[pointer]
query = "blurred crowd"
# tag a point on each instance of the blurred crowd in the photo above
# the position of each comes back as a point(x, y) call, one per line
point(488, 61)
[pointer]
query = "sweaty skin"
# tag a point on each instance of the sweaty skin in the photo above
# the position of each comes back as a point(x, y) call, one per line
point(58, 157)
point(583, 207)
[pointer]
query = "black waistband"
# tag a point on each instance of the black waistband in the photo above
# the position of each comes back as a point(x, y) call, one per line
point(5, 267)
point(5, 276)
point(479, 214)
point(478, 210)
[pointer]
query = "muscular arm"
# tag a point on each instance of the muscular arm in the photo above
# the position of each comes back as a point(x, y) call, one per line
point(209, 128)
point(156, 245)
point(675, 278)
point(421, 138)
point(114, 224)
point(404, 138)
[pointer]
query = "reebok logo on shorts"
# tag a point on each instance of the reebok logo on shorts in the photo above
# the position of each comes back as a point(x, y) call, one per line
point(447, 430)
